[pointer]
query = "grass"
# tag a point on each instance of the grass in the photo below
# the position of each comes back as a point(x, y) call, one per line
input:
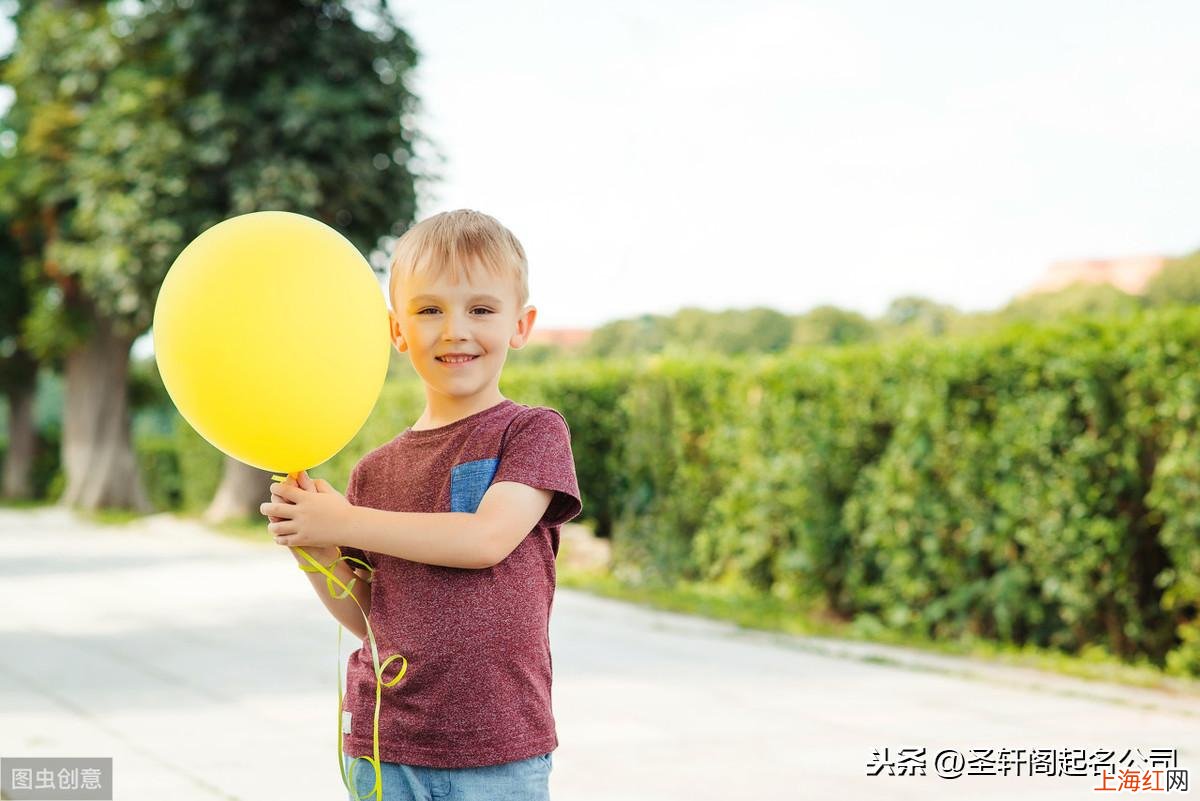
point(110, 517)
point(6, 503)
point(760, 612)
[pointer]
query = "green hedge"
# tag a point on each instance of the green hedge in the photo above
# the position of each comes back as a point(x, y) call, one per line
point(1033, 486)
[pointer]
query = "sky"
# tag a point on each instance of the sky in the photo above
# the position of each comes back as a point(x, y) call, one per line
point(652, 156)
point(791, 154)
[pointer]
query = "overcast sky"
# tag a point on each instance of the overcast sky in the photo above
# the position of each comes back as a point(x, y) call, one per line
point(652, 155)
point(728, 154)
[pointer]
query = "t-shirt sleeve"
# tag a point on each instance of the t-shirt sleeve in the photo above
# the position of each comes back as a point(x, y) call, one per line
point(352, 490)
point(537, 452)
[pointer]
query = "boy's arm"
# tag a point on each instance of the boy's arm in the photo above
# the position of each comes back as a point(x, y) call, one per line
point(473, 540)
point(344, 610)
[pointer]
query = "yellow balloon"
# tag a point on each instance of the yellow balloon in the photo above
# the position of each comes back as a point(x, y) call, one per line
point(271, 336)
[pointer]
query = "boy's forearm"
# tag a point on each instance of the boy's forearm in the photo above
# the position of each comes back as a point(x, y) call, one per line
point(448, 539)
point(344, 610)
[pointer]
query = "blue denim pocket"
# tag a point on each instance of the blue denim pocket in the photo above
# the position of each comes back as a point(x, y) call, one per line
point(468, 482)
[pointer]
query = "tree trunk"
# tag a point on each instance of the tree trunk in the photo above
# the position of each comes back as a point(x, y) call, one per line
point(242, 489)
point(97, 449)
point(22, 440)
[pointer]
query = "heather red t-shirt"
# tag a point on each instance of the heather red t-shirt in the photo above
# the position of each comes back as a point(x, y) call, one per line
point(477, 691)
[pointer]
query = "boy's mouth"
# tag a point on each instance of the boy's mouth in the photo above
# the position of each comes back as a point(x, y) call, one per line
point(456, 358)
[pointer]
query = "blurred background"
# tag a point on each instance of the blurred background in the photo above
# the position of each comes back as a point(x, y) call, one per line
point(868, 320)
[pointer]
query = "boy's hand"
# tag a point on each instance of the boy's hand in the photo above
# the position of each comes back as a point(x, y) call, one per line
point(291, 482)
point(310, 514)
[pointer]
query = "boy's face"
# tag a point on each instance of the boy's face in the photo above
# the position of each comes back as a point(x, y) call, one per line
point(434, 318)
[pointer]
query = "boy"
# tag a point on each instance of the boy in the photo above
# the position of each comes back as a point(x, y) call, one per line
point(459, 518)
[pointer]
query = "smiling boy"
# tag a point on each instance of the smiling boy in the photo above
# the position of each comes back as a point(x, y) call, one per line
point(459, 518)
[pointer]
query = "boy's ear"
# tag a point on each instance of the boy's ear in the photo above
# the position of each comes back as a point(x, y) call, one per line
point(397, 336)
point(524, 328)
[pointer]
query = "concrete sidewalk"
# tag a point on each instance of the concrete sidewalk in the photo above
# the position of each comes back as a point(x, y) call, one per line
point(207, 669)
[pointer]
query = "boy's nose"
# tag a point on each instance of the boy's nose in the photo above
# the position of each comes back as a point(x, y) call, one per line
point(453, 327)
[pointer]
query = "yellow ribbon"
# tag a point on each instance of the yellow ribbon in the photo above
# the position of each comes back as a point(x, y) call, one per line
point(331, 581)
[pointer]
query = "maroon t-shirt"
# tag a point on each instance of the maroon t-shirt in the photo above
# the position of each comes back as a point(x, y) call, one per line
point(477, 690)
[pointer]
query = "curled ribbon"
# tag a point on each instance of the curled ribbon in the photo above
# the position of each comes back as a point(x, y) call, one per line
point(332, 581)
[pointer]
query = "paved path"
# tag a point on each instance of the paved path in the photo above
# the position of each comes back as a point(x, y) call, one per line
point(206, 668)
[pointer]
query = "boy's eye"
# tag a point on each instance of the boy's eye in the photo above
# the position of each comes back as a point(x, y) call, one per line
point(476, 309)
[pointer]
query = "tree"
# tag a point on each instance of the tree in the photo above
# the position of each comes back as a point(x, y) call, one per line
point(694, 330)
point(1178, 282)
point(141, 125)
point(829, 325)
point(644, 334)
point(18, 370)
point(920, 316)
point(324, 128)
point(83, 310)
point(1077, 299)
point(732, 331)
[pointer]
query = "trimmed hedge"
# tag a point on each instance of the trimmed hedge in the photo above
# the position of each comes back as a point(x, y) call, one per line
point(1031, 486)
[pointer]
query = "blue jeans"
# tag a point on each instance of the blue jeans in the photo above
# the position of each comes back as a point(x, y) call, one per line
point(522, 780)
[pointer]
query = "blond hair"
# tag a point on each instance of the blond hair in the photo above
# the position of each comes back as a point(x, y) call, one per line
point(447, 244)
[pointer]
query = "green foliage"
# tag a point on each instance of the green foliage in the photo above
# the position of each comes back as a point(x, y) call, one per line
point(916, 316)
point(137, 126)
point(1178, 283)
point(756, 330)
point(692, 330)
point(998, 507)
point(680, 416)
point(809, 422)
point(1076, 300)
point(179, 468)
point(644, 334)
point(1034, 487)
point(158, 460)
point(1000, 487)
point(588, 393)
point(1163, 388)
point(695, 332)
point(45, 478)
point(159, 450)
point(829, 325)
point(325, 128)
point(68, 100)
